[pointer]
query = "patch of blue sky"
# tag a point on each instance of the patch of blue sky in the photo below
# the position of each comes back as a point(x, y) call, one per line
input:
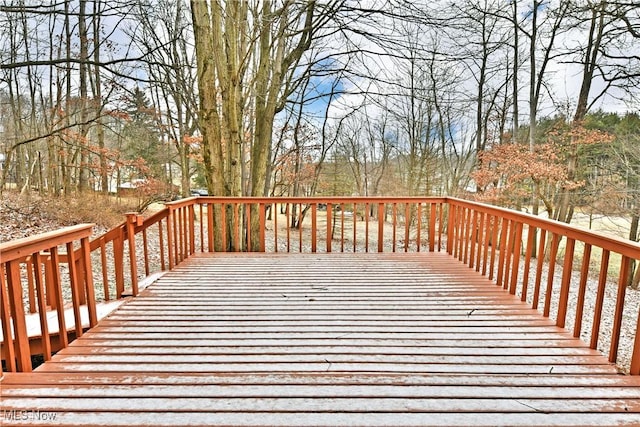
point(325, 86)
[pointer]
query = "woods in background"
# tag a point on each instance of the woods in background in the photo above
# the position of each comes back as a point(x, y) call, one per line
point(529, 104)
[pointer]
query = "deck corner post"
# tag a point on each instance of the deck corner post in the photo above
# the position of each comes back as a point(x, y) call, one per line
point(132, 220)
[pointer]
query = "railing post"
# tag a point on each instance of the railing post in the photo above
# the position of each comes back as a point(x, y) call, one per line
point(201, 211)
point(5, 318)
point(192, 231)
point(247, 229)
point(118, 255)
point(210, 229)
point(105, 276)
point(170, 253)
point(182, 234)
point(48, 272)
point(618, 314)
point(515, 269)
point(57, 287)
point(329, 226)
point(510, 242)
point(450, 226)
point(474, 239)
point(42, 306)
point(381, 208)
point(262, 217)
point(88, 280)
point(23, 354)
point(432, 228)
point(75, 288)
point(274, 214)
point(635, 356)
point(565, 283)
point(237, 242)
point(505, 226)
point(314, 228)
point(31, 286)
point(132, 220)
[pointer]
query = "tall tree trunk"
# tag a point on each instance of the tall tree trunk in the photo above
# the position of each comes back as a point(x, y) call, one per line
point(66, 151)
point(83, 173)
point(97, 97)
point(596, 29)
point(634, 235)
point(516, 56)
point(208, 113)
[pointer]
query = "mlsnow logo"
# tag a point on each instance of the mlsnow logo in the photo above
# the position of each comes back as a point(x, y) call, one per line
point(29, 415)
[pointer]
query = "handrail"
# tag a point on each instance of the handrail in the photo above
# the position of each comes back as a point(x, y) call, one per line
point(515, 250)
point(496, 241)
point(417, 219)
point(607, 241)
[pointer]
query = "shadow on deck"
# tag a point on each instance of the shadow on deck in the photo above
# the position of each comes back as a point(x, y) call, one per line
point(324, 339)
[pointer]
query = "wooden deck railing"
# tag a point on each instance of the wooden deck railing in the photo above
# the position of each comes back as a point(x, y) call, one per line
point(339, 224)
point(513, 249)
point(37, 261)
point(509, 246)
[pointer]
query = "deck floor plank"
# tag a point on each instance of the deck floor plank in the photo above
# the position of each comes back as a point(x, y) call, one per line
point(323, 340)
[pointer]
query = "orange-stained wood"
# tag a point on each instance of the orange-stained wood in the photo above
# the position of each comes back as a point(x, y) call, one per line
point(617, 318)
point(31, 286)
point(565, 283)
point(57, 287)
point(145, 252)
point(20, 248)
point(329, 238)
point(21, 341)
point(42, 306)
point(89, 291)
point(555, 242)
point(314, 228)
point(475, 234)
point(75, 289)
point(104, 270)
point(635, 357)
point(381, 220)
point(362, 339)
point(502, 253)
point(597, 312)
point(529, 251)
point(582, 289)
point(5, 318)
point(192, 231)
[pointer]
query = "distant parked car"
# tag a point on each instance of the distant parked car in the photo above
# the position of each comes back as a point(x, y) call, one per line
point(199, 192)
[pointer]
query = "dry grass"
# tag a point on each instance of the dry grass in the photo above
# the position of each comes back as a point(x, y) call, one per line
point(26, 215)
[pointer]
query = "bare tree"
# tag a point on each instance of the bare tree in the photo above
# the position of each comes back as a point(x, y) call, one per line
point(606, 55)
point(248, 54)
point(165, 34)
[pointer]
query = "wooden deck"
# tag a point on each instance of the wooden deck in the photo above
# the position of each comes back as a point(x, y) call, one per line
point(323, 339)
